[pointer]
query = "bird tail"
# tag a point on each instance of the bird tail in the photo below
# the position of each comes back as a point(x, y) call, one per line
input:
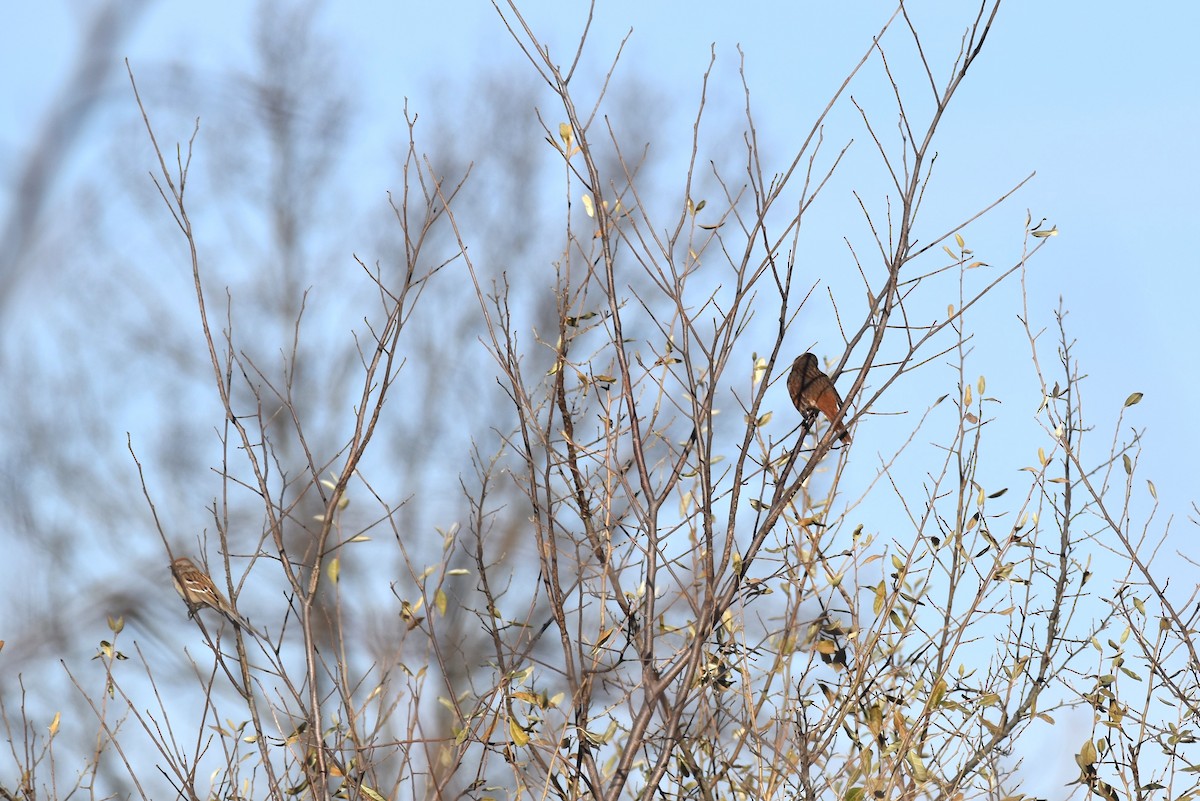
point(233, 617)
point(843, 433)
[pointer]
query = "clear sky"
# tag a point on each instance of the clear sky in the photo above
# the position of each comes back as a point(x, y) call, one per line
point(1101, 100)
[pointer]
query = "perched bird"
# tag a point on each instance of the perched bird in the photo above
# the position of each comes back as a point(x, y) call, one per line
point(812, 390)
point(198, 590)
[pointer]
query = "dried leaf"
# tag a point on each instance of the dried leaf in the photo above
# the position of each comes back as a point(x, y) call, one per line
point(518, 735)
point(760, 367)
point(1087, 755)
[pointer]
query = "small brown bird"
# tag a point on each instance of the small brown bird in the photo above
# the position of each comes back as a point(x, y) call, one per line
point(812, 390)
point(198, 590)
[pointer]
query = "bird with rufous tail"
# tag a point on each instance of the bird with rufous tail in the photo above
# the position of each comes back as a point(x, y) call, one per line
point(811, 390)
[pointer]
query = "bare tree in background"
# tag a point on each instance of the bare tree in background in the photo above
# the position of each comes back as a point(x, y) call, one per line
point(623, 591)
point(83, 92)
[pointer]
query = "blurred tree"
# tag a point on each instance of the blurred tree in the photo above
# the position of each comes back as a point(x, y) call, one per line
point(472, 489)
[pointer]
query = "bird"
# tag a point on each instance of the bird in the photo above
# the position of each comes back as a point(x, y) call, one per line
point(198, 590)
point(811, 390)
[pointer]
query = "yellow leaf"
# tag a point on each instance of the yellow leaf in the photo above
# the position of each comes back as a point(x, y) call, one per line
point(334, 569)
point(518, 735)
point(604, 636)
point(372, 794)
point(1133, 398)
point(1087, 755)
point(1043, 234)
point(961, 243)
point(981, 385)
point(588, 206)
point(938, 693)
point(919, 771)
point(760, 367)
point(1153, 492)
point(565, 134)
point(439, 598)
point(967, 397)
point(54, 723)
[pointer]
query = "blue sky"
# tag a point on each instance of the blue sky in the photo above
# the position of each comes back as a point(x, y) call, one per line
point(1101, 101)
